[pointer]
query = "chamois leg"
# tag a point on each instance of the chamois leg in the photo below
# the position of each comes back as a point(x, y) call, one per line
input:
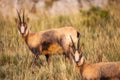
point(47, 58)
point(35, 60)
point(65, 48)
point(68, 57)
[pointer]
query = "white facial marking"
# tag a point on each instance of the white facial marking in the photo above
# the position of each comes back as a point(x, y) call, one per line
point(22, 29)
point(77, 56)
point(26, 32)
point(82, 61)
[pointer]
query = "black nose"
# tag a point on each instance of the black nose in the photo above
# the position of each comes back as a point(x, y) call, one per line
point(77, 62)
point(22, 33)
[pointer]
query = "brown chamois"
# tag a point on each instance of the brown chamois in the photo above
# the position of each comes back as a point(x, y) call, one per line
point(46, 42)
point(96, 71)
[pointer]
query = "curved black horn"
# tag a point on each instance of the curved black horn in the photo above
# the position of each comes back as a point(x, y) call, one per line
point(78, 43)
point(23, 17)
point(19, 15)
point(72, 42)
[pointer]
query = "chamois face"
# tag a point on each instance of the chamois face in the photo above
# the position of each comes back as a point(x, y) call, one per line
point(22, 25)
point(22, 28)
point(77, 56)
point(76, 52)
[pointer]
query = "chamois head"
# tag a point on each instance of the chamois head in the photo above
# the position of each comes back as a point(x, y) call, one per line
point(22, 24)
point(76, 52)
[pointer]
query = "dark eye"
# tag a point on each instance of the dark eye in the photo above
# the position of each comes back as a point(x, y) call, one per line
point(25, 24)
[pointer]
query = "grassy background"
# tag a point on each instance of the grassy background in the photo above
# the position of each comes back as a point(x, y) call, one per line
point(100, 30)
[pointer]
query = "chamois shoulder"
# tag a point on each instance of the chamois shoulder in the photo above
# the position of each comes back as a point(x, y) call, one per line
point(33, 39)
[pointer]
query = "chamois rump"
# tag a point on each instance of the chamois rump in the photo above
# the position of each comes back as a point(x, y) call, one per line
point(48, 42)
point(96, 71)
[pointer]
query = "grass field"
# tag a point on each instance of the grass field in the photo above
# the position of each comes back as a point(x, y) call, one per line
point(100, 33)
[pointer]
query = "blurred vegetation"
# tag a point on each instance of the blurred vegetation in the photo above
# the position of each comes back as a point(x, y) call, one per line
point(100, 33)
point(96, 16)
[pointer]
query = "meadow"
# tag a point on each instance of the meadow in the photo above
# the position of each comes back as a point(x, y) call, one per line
point(100, 34)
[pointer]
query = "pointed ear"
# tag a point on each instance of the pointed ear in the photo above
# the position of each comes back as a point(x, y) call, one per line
point(27, 19)
point(82, 47)
point(16, 20)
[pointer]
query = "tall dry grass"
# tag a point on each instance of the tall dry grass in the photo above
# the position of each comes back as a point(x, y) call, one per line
point(100, 33)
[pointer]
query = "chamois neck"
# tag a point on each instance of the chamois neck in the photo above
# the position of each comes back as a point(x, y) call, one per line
point(25, 37)
point(81, 67)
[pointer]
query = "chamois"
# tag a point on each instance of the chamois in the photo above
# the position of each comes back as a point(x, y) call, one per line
point(96, 71)
point(46, 42)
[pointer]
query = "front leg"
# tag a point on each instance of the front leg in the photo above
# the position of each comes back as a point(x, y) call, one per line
point(35, 59)
point(36, 52)
point(68, 57)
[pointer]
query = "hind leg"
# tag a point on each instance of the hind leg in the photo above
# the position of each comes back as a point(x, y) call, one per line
point(47, 58)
